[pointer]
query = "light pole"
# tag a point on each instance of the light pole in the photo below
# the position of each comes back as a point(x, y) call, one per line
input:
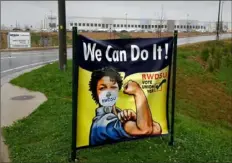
point(188, 26)
point(51, 20)
point(45, 25)
point(126, 20)
point(157, 22)
point(161, 20)
point(110, 30)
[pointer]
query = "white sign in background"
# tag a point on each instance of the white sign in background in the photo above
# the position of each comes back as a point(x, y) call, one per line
point(19, 40)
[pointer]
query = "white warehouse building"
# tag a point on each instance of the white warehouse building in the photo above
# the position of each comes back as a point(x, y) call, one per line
point(136, 25)
point(129, 24)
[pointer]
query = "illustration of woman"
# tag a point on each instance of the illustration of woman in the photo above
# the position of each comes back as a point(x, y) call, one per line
point(112, 124)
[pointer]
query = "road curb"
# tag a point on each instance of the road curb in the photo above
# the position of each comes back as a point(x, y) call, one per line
point(4, 151)
point(4, 155)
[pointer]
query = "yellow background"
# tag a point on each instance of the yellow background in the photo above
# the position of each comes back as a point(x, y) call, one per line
point(87, 106)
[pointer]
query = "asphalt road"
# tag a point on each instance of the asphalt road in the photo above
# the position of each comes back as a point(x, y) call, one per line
point(12, 62)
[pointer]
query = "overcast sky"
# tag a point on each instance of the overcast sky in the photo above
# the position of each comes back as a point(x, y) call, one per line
point(32, 12)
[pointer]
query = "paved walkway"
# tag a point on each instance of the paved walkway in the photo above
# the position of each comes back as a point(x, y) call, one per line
point(13, 110)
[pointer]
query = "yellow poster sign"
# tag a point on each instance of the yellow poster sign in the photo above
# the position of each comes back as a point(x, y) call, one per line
point(122, 89)
point(134, 107)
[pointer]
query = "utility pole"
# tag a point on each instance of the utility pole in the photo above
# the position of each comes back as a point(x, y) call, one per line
point(219, 8)
point(187, 22)
point(45, 21)
point(44, 24)
point(221, 24)
point(187, 26)
point(62, 36)
point(41, 25)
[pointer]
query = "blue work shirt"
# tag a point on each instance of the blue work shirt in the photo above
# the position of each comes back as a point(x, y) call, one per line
point(106, 127)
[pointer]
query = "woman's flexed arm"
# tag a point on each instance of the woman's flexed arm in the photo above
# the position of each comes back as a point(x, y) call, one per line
point(144, 123)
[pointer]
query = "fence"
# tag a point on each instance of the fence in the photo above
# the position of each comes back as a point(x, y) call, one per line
point(3, 41)
point(41, 39)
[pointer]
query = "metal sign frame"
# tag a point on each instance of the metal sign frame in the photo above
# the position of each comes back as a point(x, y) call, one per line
point(75, 67)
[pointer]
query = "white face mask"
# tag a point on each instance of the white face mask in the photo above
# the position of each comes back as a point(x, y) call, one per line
point(108, 97)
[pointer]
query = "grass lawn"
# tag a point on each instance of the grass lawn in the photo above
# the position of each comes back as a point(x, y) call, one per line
point(203, 124)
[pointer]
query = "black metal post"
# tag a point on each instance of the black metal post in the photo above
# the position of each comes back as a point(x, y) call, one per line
point(62, 36)
point(173, 86)
point(219, 8)
point(74, 92)
point(168, 93)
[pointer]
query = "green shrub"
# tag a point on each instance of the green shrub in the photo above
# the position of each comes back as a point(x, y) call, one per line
point(54, 40)
point(212, 50)
point(216, 54)
point(230, 50)
point(124, 35)
point(210, 64)
point(228, 60)
point(217, 57)
point(225, 51)
point(205, 54)
point(35, 39)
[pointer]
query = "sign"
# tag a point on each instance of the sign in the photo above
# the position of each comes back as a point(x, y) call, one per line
point(19, 40)
point(121, 89)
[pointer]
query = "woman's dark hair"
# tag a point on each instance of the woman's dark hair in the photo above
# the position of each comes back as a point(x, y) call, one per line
point(98, 74)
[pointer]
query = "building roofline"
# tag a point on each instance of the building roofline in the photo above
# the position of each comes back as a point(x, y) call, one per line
point(110, 18)
point(118, 18)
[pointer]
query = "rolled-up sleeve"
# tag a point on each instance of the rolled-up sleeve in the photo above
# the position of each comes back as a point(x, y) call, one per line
point(106, 129)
